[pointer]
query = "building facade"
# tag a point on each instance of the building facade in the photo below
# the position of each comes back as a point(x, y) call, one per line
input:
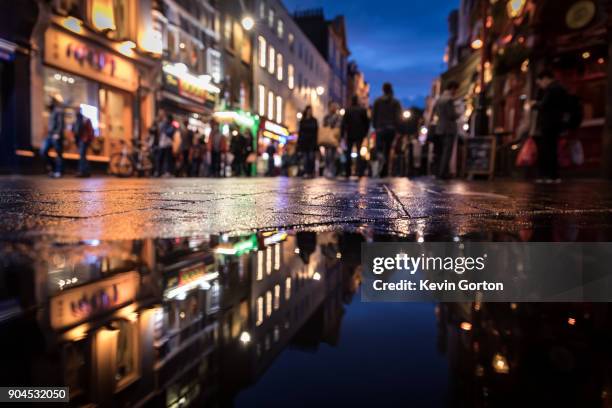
point(329, 37)
point(288, 72)
point(192, 64)
point(357, 85)
point(99, 57)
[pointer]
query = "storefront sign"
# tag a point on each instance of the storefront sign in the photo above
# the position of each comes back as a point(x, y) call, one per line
point(275, 131)
point(179, 81)
point(580, 15)
point(70, 53)
point(81, 303)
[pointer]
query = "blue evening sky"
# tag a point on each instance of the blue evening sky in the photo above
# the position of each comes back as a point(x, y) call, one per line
point(400, 41)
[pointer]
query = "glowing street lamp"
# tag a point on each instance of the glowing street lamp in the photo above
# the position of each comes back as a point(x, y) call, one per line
point(320, 90)
point(248, 23)
point(407, 114)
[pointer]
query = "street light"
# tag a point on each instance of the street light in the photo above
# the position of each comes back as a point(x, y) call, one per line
point(248, 23)
point(320, 90)
point(407, 114)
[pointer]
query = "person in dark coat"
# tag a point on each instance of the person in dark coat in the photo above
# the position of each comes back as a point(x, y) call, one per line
point(55, 139)
point(186, 144)
point(549, 124)
point(386, 116)
point(307, 141)
point(355, 126)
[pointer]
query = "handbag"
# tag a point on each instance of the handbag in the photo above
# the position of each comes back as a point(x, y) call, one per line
point(528, 155)
point(577, 152)
point(328, 137)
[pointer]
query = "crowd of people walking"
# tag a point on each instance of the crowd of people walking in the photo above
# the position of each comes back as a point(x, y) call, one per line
point(345, 142)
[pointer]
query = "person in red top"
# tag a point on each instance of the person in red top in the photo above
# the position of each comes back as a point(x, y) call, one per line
point(84, 135)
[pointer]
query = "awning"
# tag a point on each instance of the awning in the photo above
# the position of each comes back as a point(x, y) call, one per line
point(462, 73)
point(185, 104)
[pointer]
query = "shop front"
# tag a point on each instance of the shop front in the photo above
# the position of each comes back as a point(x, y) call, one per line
point(187, 96)
point(98, 81)
point(274, 142)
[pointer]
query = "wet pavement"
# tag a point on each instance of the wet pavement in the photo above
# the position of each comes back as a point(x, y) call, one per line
point(246, 293)
point(109, 208)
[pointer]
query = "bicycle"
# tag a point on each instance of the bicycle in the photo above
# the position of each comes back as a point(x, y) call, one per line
point(127, 162)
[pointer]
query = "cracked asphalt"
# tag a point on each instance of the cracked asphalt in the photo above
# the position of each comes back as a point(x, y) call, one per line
point(109, 208)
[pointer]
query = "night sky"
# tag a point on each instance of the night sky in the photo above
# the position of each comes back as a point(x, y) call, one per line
point(399, 41)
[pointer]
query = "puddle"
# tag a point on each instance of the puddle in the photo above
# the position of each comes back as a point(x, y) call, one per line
point(275, 319)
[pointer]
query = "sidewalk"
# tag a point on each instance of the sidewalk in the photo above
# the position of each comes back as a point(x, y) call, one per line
point(111, 208)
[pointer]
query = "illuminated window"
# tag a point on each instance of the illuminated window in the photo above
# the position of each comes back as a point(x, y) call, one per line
point(262, 10)
point(290, 76)
point(291, 41)
point(228, 32)
point(262, 51)
point(288, 288)
point(276, 297)
point(277, 256)
point(269, 259)
point(272, 59)
point(271, 17)
point(259, 265)
point(270, 105)
point(280, 28)
point(262, 106)
point(213, 58)
point(268, 303)
point(279, 66)
point(279, 109)
point(103, 15)
point(260, 311)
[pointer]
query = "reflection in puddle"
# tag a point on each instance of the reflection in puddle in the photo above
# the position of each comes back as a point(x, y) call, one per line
point(200, 321)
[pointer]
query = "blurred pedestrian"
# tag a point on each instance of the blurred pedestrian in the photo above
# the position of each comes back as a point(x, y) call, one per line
point(446, 127)
point(250, 155)
point(165, 158)
point(54, 139)
point(332, 123)
point(271, 151)
point(84, 135)
point(238, 150)
point(216, 142)
point(551, 108)
point(197, 155)
point(355, 126)
point(307, 141)
point(386, 116)
point(185, 148)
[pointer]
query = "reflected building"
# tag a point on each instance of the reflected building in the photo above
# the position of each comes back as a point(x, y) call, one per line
point(165, 322)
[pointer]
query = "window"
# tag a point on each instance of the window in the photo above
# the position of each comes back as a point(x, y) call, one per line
point(262, 112)
point(260, 311)
point(276, 297)
point(288, 288)
point(262, 51)
point(270, 105)
point(269, 258)
point(271, 17)
point(280, 29)
point(279, 66)
point(291, 41)
point(213, 57)
point(229, 39)
point(262, 10)
point(290, 76)
point(260, 253)
point(271, 65)
point(268, 303)
point(127, 352)
point(279, 109)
